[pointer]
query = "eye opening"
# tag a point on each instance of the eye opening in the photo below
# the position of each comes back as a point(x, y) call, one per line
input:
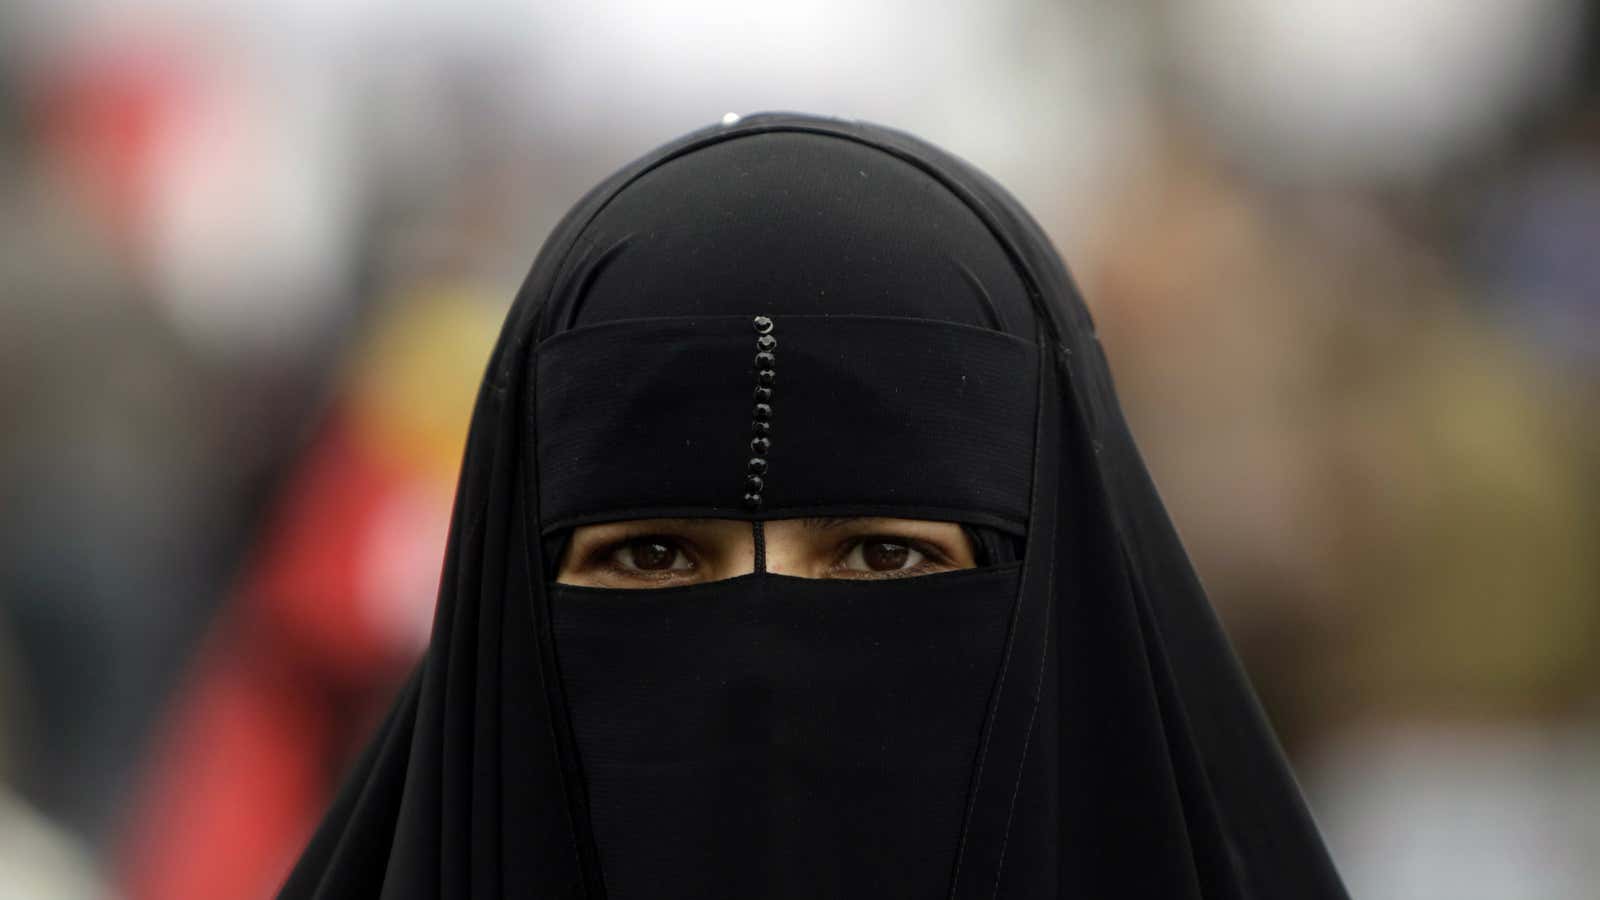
point(623, 555)
point(613, 552)
point(908, 556)
point(667, 552)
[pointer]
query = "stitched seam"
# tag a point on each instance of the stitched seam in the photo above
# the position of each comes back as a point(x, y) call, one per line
point(1011, 639)
point(555, 739)
point(1027, 741)
point(983, 754)
point(535, 567)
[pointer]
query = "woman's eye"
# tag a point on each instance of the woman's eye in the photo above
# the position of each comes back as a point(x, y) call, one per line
point(650, 555)
point(879, 555)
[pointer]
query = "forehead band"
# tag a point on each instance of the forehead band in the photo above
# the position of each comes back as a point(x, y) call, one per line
point(874, 415)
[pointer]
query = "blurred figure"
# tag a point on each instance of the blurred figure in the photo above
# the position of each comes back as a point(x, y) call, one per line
point(1391, 505)
point(333, 608)
point(105, 482)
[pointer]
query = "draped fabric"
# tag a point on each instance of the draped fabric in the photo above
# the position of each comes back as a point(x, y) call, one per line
point(1073, 724)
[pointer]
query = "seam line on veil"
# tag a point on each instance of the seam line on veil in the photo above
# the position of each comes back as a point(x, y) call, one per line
point(1045, 360)
point(1011, 643)
point(1033, 717)
point(580, 828)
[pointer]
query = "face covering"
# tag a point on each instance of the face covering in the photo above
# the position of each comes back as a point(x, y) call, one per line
point(767, 735)
point(795, 316)
point(772, 736)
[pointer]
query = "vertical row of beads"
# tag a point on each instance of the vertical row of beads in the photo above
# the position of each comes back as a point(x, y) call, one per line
point(761, 416)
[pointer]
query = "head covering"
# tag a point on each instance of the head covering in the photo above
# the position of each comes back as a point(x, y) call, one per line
point(796, 316)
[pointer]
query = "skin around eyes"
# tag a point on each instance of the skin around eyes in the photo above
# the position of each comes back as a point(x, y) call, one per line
point(611, 554)
point(646, 553)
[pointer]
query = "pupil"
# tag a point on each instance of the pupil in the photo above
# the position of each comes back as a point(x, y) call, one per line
point(882, 556)
point(651, 555)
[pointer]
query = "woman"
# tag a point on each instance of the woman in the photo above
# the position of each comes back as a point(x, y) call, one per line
point(919, 624)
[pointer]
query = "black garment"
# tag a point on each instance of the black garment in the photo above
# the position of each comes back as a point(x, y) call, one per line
point(1072, 724)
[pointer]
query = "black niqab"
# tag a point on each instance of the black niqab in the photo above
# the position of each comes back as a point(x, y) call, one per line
point(1071, 724)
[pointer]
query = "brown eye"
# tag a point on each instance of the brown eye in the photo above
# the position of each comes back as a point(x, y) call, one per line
point(882, 556)
point(650, 555)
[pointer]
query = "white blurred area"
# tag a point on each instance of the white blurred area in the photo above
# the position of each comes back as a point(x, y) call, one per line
point(1341, 253)
point(1366, 88)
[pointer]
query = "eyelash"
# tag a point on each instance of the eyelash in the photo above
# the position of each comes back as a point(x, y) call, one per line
point(604, 556)
point(932, 556)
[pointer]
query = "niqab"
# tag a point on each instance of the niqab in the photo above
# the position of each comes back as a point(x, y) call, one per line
point(797, 316)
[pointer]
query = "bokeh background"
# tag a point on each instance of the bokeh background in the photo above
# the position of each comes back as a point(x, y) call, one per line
point(1344, 254)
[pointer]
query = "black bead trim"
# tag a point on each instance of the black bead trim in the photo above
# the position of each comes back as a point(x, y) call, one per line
point(761, 414)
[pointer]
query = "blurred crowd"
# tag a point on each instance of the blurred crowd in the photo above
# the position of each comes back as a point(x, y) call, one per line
point(1344, 255)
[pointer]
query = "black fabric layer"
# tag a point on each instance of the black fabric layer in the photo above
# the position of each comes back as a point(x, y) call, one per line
point(802, 225)
point(992, 547)
point(1121, 750)
point(771, 736)
point(652, 417)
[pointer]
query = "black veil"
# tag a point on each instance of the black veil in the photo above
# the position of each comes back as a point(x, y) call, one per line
point(1123, 753)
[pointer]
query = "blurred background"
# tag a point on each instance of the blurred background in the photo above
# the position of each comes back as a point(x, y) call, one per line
point(1344, 254)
